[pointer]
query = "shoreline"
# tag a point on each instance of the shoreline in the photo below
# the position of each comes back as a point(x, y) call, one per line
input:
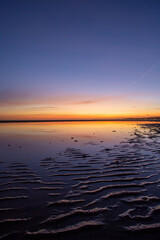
point(84, 120)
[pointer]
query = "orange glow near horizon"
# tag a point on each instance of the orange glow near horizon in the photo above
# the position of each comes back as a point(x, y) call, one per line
point(82, 108)
point(74, 116)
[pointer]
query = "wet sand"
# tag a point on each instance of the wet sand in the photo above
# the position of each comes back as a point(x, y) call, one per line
point(86, 190)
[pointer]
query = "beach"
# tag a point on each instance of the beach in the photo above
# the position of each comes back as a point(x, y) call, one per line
point(80, 180)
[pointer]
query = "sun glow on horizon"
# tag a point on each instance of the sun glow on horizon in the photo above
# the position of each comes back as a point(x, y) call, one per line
point(17, 107)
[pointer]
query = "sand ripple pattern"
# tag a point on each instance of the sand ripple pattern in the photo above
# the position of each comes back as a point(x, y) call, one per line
point(74, 191)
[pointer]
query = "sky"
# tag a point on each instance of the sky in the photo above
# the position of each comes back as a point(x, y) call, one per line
point(79, 59)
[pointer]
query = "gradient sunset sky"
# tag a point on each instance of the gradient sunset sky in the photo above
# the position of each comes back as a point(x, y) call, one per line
point(79, 59)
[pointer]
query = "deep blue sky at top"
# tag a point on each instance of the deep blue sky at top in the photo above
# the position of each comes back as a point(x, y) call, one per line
point(98, 47)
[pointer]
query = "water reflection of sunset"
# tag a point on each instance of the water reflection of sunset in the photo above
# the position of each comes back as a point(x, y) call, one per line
point(40, 139)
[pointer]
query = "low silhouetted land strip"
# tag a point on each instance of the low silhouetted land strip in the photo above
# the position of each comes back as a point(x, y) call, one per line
point(82, 120)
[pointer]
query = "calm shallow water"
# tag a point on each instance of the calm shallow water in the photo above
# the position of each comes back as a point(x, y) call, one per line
point(80, 180)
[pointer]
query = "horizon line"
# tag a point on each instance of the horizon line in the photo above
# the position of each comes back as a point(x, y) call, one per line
point(83, 120)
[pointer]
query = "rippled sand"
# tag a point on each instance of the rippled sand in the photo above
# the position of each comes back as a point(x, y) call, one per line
point(111, 193)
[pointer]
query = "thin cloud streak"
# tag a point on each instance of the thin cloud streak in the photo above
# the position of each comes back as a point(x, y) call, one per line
point(35, 100)
point(145, 74)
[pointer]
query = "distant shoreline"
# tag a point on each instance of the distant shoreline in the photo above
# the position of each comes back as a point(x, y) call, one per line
point(82, 120)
